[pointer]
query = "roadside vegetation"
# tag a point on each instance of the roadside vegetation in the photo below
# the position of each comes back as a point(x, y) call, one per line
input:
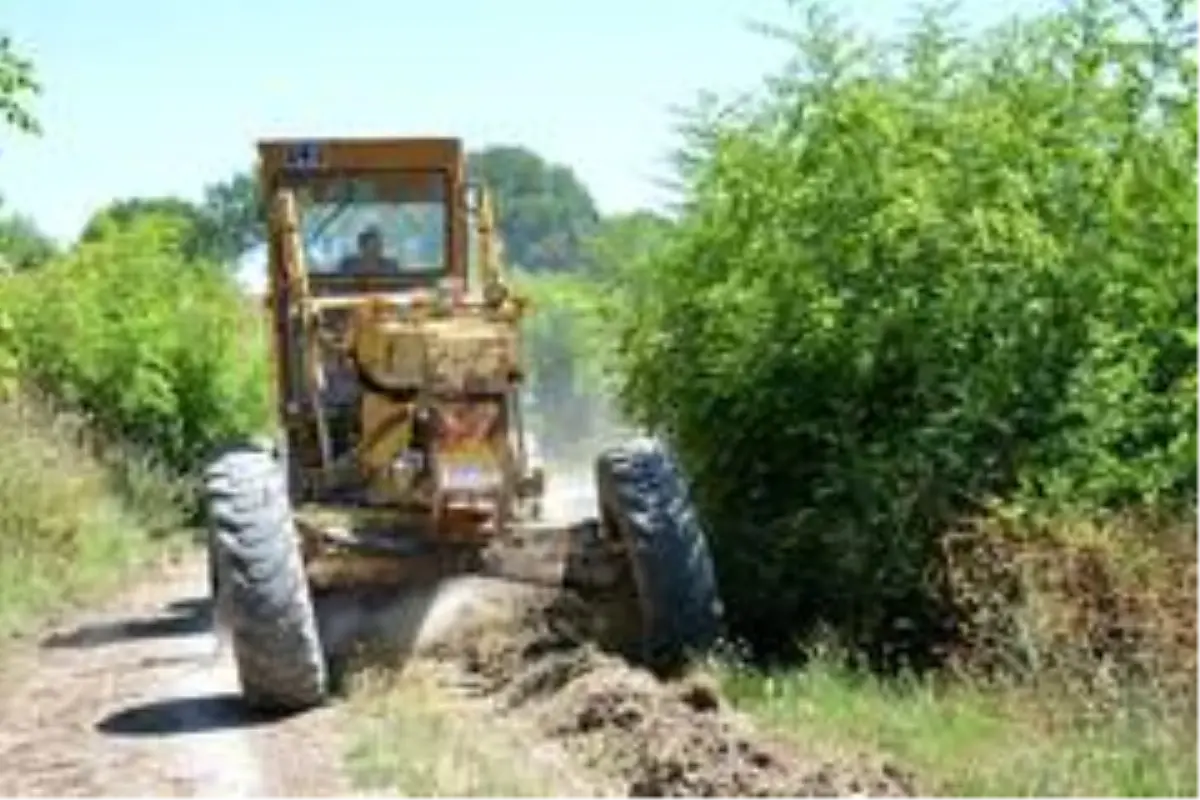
point(411, 738)
point(125, 365)
point(924, 334)
point(123, 359)
point(80, 517)
point(972, 739)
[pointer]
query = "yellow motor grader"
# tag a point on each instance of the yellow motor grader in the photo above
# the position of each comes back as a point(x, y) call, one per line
point(402, 455)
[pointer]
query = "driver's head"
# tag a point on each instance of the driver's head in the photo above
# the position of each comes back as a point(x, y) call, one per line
point(370, 243)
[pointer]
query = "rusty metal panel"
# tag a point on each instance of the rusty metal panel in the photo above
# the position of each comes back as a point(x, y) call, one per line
point(401, 357)
point(472, 358)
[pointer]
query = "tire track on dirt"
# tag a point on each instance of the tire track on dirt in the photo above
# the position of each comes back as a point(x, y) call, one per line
point(137, 699)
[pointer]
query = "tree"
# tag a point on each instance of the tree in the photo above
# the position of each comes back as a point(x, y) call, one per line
point(155, 351)
point(18, 84)
point(22, 245)
point(544, 212)
point(237, 214)
point(200, 238)
point(623, 240)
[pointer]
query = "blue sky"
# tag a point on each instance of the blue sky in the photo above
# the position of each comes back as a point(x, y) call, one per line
point(152, 97)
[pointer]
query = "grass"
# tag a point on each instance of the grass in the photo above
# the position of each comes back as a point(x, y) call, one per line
point(1100, 693)
point(410, 737)
point(969, 739)
point(76, 517)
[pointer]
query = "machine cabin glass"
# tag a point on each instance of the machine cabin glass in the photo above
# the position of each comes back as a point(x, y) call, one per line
point(383, 226)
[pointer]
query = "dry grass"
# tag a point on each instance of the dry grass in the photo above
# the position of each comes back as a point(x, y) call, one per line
point(76, 516)
point(1080, 599)
point(1077, 679)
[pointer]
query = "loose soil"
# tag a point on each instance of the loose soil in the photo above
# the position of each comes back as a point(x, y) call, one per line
point(528, 653)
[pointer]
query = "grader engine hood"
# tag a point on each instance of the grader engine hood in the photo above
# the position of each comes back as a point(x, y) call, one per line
point(449, 356)
point(452, 374)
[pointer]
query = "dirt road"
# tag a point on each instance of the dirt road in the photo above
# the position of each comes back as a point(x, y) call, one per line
point(137, 700)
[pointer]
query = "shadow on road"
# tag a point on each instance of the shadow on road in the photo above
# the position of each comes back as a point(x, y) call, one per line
point(185, 617)
point(190, 605)
point(184, 715)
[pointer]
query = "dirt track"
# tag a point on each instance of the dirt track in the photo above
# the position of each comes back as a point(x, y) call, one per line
point(138, 699)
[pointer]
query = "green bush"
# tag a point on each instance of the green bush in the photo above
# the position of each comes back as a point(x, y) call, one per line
point(157, 349)
point(915, 276)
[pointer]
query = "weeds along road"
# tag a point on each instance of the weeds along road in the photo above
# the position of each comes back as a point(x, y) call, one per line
point(138, 700)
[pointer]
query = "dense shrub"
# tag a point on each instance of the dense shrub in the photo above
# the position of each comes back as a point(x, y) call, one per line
point(158, 349)
point(914, 277)
point(1079, 600)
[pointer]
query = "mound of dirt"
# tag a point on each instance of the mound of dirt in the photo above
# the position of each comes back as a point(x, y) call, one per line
point(656, 738)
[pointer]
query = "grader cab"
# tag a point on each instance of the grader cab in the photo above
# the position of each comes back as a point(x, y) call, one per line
point(403, 456)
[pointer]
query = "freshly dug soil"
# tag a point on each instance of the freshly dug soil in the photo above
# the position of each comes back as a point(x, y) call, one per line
point(532, 655)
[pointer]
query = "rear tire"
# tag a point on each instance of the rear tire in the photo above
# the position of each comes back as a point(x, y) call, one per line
point(259, 579)
point(645, 501)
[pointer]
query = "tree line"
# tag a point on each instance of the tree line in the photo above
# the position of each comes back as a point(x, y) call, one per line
point(547, 217)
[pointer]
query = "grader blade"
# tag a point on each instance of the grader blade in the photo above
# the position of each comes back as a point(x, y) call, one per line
point(352, 547)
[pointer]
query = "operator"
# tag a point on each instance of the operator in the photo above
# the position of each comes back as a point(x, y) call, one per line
point(369, 260)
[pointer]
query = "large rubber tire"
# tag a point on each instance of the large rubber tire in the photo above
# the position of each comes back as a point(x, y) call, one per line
point(260, 583)
point(644, 497)
point(264, 444)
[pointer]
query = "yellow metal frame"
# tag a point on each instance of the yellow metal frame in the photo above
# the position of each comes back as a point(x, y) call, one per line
point(294, 302)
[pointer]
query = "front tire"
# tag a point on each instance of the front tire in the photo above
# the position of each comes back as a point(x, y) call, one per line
point(644, 500)
point(259, 580)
